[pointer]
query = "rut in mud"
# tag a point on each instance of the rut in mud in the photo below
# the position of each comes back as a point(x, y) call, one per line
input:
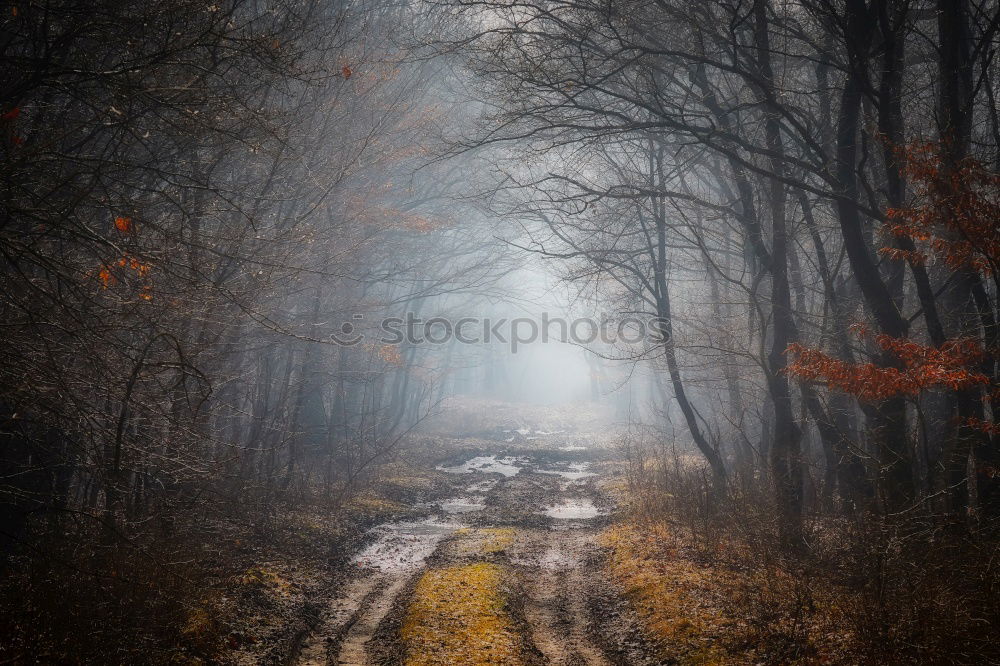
point(549, 506)
point(381, 570)
point(555, 564)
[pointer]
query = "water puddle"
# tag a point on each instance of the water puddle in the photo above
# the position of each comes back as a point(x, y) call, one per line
point(462, 505)
point(482, 487)
point(556, 558)
point(404, 545)
point(573, 472)
point(530, 434)
point(573, 510)
point(507, 466)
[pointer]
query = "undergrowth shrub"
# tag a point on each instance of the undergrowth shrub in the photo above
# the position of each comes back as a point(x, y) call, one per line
point(918, 588)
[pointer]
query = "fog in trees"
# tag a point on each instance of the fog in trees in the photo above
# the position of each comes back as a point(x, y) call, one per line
point(691, 309)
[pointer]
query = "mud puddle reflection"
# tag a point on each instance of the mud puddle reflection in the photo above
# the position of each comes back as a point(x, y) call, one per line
point(573, 471)
point(579, 509)
point(404, 545)
point(508, 466)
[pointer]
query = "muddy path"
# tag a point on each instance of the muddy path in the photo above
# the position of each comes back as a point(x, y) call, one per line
point(557, 566)
point(550, 505)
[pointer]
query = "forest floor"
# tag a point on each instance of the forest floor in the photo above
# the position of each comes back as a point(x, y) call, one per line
point(488, 552)
point(505, 570)
point(514, 546)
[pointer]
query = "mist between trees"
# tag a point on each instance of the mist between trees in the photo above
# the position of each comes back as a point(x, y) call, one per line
point(514, 332)
point(803, 195)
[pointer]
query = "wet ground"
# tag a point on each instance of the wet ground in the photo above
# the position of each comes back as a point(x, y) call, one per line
point(544, 485)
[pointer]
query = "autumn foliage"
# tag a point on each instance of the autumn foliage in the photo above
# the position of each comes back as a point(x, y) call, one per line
point(921, 367)
point(123, 224)
point(955, 218)
point(953, 222)
point(108, 274)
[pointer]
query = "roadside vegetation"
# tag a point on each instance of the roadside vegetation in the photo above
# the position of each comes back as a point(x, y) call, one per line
point(716, 586)
point(458, 615)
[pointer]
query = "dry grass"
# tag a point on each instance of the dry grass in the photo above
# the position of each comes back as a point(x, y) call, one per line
point(458, 616)
point(478, 541)
point(699, 612)
point(371, 503)
point(916, 588)
point(675, 598)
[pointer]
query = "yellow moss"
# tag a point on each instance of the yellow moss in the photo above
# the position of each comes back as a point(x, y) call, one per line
point(672, 596)
point(497, 539)
point(268, 578)
point(473, 542)
point(371, 503)
point(457, 617)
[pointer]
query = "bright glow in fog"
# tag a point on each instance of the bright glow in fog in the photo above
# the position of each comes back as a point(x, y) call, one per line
point(551, 373)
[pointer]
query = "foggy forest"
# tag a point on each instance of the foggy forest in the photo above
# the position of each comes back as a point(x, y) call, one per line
point(518, 332)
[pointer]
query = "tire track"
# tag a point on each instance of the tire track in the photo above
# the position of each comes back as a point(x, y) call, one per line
point(353, 648)
point(552, 538)
point(338, 619)
point(556, 603)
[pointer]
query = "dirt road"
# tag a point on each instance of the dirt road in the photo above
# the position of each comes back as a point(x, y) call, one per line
point(537, 511)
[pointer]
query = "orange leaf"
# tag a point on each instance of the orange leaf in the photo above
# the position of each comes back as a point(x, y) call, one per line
point(346, 71)
point(123, 224)
point(106, 277)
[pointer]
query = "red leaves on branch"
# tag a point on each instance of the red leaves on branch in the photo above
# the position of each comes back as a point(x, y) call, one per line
point(952, 354)
point(123, 224)
point(955, 221)
point(141, 269)
point(914, 256)
point(107, 274)
point(922, 368)
point(988, 427)
point(955, 218)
